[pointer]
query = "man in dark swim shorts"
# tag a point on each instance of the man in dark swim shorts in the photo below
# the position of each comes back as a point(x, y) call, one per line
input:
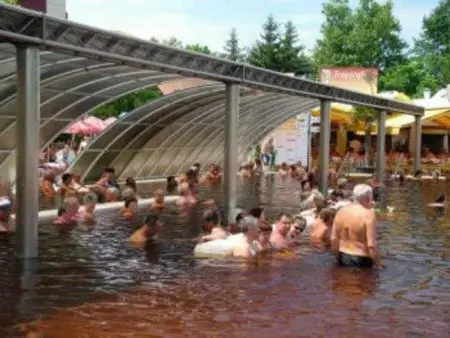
point(353, 236)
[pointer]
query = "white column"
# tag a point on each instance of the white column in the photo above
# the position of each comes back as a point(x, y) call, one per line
point(324, 153)
point(445, 142)
point(417, 142)
point(28, 116)
point(381, 145)
point(231, 136)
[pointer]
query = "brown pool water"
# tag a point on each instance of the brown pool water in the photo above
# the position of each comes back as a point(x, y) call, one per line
point(95, 285)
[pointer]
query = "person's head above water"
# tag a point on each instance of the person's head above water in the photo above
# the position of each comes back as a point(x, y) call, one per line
point(440, 198)
point(250, 226)
point(153, 225)
point(210, 219)
point(342, 183)
point(363, 194)
point(258, 213)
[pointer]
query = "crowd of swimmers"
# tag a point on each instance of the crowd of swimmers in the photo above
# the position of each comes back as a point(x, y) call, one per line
point(344, 222)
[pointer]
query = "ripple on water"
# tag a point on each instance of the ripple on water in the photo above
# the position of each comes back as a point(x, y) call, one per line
point(92, 284)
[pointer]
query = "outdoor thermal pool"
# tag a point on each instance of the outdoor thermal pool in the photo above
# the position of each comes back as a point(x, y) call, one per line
point(95, 285)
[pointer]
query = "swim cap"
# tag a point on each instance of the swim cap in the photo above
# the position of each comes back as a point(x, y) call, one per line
point(237, 214)
point(5, 203)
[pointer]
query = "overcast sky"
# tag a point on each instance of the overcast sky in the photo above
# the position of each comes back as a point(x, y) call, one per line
point(209, 21)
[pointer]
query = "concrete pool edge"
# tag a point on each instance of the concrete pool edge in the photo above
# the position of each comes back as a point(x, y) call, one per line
point(49, 215)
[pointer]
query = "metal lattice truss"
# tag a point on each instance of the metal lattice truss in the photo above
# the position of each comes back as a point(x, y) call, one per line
point(19, 26)
point(163, 137)
point(166, 136)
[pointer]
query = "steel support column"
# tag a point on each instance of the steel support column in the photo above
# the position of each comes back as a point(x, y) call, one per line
point(231, 138)
point(381, 145)
point(324, 154)
point(28, 115)
point(417, 142)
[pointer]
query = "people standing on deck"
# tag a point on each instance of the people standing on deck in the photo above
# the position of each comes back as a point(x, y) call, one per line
point(354, 231)
point(268, 152)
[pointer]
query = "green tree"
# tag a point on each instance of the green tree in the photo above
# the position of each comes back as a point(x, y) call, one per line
point(232, 49)
point(333, 47)
point(173, 42)
point(127, 103)
point(368, 116)
point(10, 2)
point(265, 52)
point(434, 43)
point(368, 36)
point(198, 48)
point(291, 52)
point(411, 78)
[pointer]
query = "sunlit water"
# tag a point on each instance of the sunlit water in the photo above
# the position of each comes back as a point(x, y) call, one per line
point(95, 285)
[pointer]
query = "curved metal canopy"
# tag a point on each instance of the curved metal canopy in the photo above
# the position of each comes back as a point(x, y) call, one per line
point(25, 27)
point(70, 88)
point(167, 136)
point(163, 137)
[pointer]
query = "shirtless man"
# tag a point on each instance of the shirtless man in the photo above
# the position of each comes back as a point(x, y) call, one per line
point(245, 244)
point(212, 227)
point(149, 230)
point(5, 215)
point(353, 236)
point(279, 239)
point(320, 234)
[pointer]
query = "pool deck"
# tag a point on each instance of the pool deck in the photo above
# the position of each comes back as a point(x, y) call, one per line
point(49, 215)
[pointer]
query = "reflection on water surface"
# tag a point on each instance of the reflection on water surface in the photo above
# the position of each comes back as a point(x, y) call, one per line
point(96, 285)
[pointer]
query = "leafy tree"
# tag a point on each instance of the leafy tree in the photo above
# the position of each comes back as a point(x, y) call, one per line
point(411, 78)
point(198, 48)
point(173, 42)
point(232, 49)
point(368, 36)
point(333, 49)
point(434, 43)
point(265, 52)
point(127, 103)
point(368, 116)
point(291, 55)
point(10, 2)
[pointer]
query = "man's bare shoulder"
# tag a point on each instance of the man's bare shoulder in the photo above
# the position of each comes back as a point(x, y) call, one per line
point(354, 209)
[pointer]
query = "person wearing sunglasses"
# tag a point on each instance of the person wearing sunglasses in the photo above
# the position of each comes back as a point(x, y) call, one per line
point(279, 238)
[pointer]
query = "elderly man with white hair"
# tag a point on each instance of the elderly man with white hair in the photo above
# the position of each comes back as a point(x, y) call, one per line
point(354, 231)
point(243, 244)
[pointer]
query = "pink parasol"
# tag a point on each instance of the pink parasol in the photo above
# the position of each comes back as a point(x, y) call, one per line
point(78, 128)
point(95, 123)
point(109, 121)
point(88, 126)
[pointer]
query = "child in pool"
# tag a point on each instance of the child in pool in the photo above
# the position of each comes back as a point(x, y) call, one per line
point(87, 215)
point(149, 230)
point(129, 210)
point(68, 213)
point(158, 204)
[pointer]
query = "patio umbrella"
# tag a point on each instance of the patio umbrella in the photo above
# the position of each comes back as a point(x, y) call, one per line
point(109, 121)
point(79, 128)
point(96, 124)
